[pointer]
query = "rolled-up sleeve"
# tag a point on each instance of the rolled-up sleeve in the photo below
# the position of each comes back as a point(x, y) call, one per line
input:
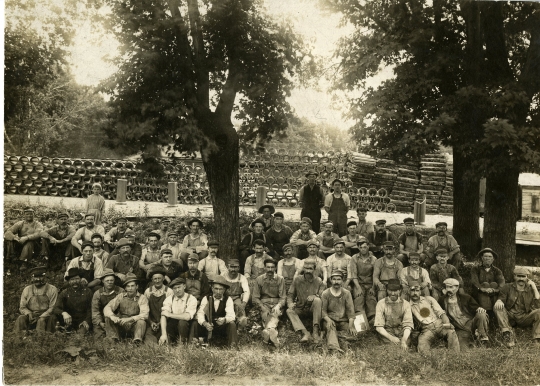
point(110, 308)
point(96, 315)
point(144, 309)
point(191, 307)
point(245, 287)
point(201, 317)
point(380, 320)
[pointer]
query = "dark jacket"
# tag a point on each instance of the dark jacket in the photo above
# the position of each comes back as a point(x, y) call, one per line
point(509, 294)
point(466, 303)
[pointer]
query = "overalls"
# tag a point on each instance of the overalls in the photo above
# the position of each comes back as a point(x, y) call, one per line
point(155, 303)
point(127, 308)
point(338, 215)
point(393, 320)
point(37, 303)
point(387, 272)
point(288, 275)
point(365, 302)
point(104, 299)
point(235, 292)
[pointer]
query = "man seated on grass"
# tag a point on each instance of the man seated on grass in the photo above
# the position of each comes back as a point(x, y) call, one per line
point(469, 319)
point(124, 262)
point(432, 321)
point(172, 269)
point(126, 314)
point(99, 252)
point(195, 241)
point(304, 299)
point(216, 313)
point(414, 273)
point(177, 314)
point(302, 237)
point(410, 242)
point(380, 238)
point(441, 271)
point(337, 311)
point(361, 269)
point(173, 244)
point(238, 291)
point(340, 260)
point(321, 266)
point(37, 304)
point(90, 267)
point(73, 307)
point(196, 281)
point(518, 303)
point(486, 279)
point(101, 298)
point(393, 317)
point(248, 243)
point(326, 240)
point(56, 242)
point(269, 297)
point(386, 268)
point(211, 264)
point(22, 239)
point(156, 294)
point(442, 240)
point(115, 234)
point(288, 266)
point(151, 253)
point(136, 248)
point(85, 233)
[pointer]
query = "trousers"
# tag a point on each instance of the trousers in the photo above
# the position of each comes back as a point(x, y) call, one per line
point(227, 329)
point(436, 330)
point(113, 330)
point(365, 302)
point(41, 324)
point(314, 310)
point(522, 320)
point(332, 333)
point(479, 323)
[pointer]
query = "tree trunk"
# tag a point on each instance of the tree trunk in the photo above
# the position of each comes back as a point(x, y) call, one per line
point(466, 228)
point(501, 216)
point(221, 168)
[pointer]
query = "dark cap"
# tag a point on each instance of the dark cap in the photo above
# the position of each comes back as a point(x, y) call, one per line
point(154, 234)
point(87, 244)
point(97, 235)
point(29, 209)
point(72, 273)
point(178, 280)
point(306, 220)
point(129, 233)
point(235, 262)
point(258, 221)
point(479, 254)
point(121, 219)
point(440, 251)
point(279, 214)
point(193, 257)
point(213, 243)
point(380, 222)
point(157, 270)
point(408, 220)
point(166, 250)
point(339, 241)
point(350, 223)
point(393, 285)
point(38, 271)
point(389, 244)
point(338, 272)
point(441, 223)
point(312, 173)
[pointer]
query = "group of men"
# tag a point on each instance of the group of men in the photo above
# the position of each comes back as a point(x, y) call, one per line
point(175, 292)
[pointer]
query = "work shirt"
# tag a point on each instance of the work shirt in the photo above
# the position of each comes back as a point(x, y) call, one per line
point(426, 310)
point(198, 242)
point(229, 310)
point(255, 265)
point(481, 274)
point(177, 306)
point(364, 228)
point(172, 271)
point(212, 266)
point(85, 234)
point(439, 273)
point(344, 263)
point(79, 262)
point(277, 239)
point(48, 290)
point(247, 242)
point(301, 288)
point(458, 316)
point(176, 250)
point(164, 290)
point(409, 274)
point(61, 233)
point(388, 313)
point(99, 300)
point(410, 242)
point(114, 235)
point(142, 302)
point(77, 303)
point(509, 295)
point(31, 230)
point(150, 256)
point(447, 242)
point(361, 268)
point(241, 282)
point(123, 265)
point(102, 255)
point(330, 198)
point(269, 288)
point(338, 308)
point(299, 235)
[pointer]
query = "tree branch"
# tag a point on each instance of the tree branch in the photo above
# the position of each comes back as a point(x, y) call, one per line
point(201, 70)
point(530, 76)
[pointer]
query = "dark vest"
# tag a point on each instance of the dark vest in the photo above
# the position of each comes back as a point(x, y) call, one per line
point(220, 313)
point(312, 197)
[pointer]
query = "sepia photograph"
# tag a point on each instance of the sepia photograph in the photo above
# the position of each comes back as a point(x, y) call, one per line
point(271, 192)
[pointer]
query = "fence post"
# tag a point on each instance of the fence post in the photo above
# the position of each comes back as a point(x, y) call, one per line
point(420, 212)
point(121, 189)
point(173, 194)
point(261, 196)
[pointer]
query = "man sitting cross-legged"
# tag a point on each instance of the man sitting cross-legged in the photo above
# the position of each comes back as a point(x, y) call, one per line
point(101, 298)
point(156, 294)
point(304, 299)
point(393, 317)
point(238, 291)
point(177, 314)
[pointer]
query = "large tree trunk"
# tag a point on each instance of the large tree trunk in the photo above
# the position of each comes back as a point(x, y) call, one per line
point(466, 228)
point(501, 216)
point(221, 168)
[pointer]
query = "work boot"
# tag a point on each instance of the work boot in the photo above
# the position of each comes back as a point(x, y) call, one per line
point(305, 336)
point(242, 322)
point(265, 335)
point(273, 335)
point(508, 339)
point(316, 333)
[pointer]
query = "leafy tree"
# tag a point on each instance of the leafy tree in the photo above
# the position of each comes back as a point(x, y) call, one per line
point(467, 75)
point(184, 68)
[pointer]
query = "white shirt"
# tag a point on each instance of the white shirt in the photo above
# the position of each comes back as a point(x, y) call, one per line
point(212, 266)
point(177, 306)
point(98, 265)
point(229, 310)
point(243, 282)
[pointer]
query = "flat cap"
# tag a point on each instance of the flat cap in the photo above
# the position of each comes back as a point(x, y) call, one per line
point(408, 220)
point(440, 251)
point(123, 242)
point(393, 285)
point(287, 246)
point(213, 243)
point(279, 214)
point(337, 272)
point(234, 262)
point(441, 223)
point(351, 223)
point(306, 220)
point(313, 242)
point(178, 280)
point(166, 251)
point(38, 271)
point(339, 241)
point(380, 222)
point(451, 281)
point(94, 235)
point(129, 233)
point(521, 271)
point(193, 257)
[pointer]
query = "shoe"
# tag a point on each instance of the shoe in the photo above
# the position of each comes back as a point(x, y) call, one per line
point(316, 333)
point(305, 337)
point(242, 322)
point(265, 335)
point(274, 337)
point(508, 339)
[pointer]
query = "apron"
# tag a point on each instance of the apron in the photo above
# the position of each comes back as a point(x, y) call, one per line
point(328, 241)
point(152, 256)
point(338, 215)
point(193, 287)
point(412, 279)
point(411, 243)
point(87, 274)
point(128, 308)
point(288, 275)
point(393, 321)
point(365, 271)
point(235, 289)
point(38, 303)
point(387, 272)
point(155, 303)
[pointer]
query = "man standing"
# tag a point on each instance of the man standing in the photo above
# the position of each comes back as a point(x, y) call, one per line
point(441, 271)
point(517, 302)
point(73, 307)
point(364, 227)
point(337, 311)
point(247, 245)
point(361, 270)
point(486, 279)
point(432, 320)
point(136, 248)
point(386, 268)
point(378, 238)
point(267, 211)
point(196, 281)
point(37, 304)
point(278, 236)
point(340, 260)
point(304, 299)
point(443, 240)
point(337, 205)
point(269, 296)
point(410, 241)
point(414, 273)
point(101, 298)
point(194, 242)
point(216, 313)
point(288, 266)
point(127, 312)
point(85, 233)
point(326, 240)
point(151, 253)
point(23, 239)
point(302, 237)
point(115, 234)
point(156, 294)
point(56, 242)
point(238, 291)
point(393, 317)
point(177, 314)
point(125, 262)
point(468, 318)
point(311, 200)
point(90, 267)
point(211, 264)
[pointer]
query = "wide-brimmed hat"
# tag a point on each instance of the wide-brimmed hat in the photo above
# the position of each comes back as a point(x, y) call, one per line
point(217, 279)
point(267, 206)
point(157, 270)
point(130, 277)
point(479, 254)
point(194, 219)
point(123, 242)
point(178, 280)
point(106, 272)
point(72, 272)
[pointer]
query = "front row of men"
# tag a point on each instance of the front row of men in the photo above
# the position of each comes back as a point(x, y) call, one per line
point(180, 311)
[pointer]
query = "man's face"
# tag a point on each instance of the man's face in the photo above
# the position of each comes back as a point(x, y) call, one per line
point(28, 216)
point(108, 283)
point(409, 228)
point(87, 253)
point(157, 280)
point(336, 281)
point(89, 221)
point(213, 250)
point(131, 288)
point(173, 239)
point(415, 294)
point(328, 228)
point(121, 225)
point(179, 290)
point(389, 251)
point(339, 248)
point(131, 239)
point(218, 290)
point(311, 179)
point(125, 250)
point(364, 249)
point(164, 226)
point(521, 279)
point(96, 241)
point(451, 290)
point(153, 242)
point(166, 258)
point(62, 221)
point(266, 213)
point(287, 252)
point(414, 261)
point(259, 249)
point(270, 268)
point(304, 227)
point(442, 258)
point(75, 282)
point(194, 227)
point(233, 270)
point(337, 187)
point(258, 228)
point(308, 271)
point(38, 281)
point(361, 215)
point(193, 266)
point(380, 228)
point(487, 259)
point(352, 230)
point(394, 295)
point(278, 221)
point(441, 229)
point(313, 250)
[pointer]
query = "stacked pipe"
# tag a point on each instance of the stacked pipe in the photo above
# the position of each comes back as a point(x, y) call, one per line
point(432, 181)
point(447, 195)
point(362, 168)
point(403, 193)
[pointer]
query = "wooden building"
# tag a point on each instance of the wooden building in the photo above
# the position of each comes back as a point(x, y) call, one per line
point(529, 195)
